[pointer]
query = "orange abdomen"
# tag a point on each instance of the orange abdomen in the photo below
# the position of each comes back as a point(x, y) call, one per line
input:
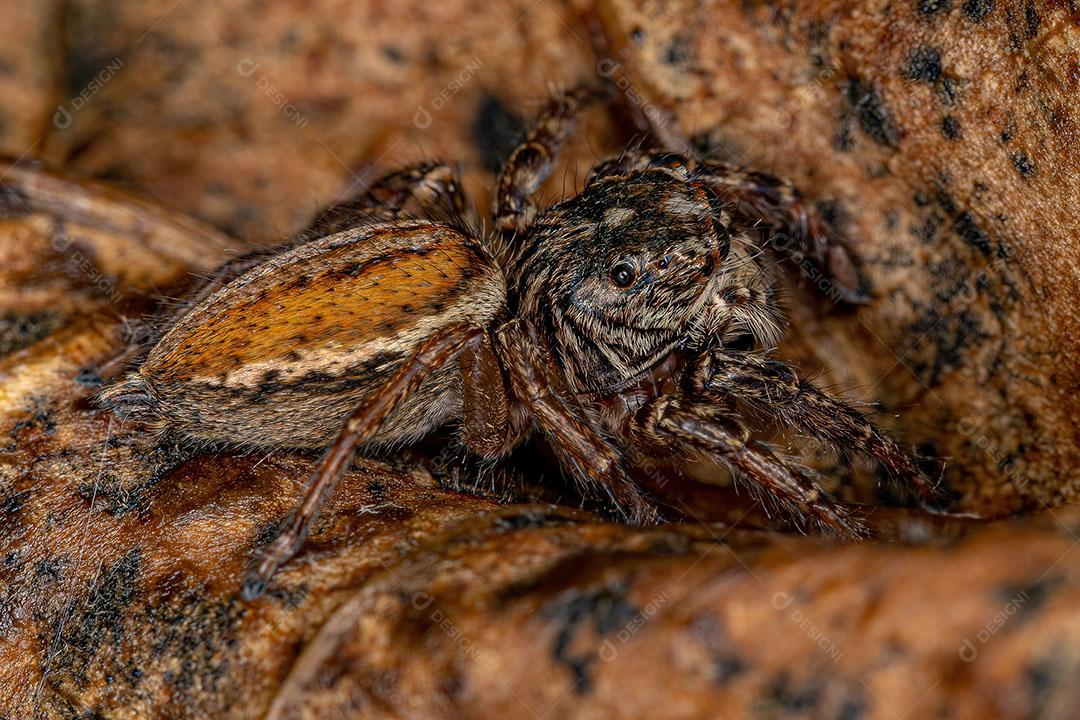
point(280, 355)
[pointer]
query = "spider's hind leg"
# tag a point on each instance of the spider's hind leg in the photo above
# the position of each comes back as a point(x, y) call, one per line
point(359, 428)
point(430, 189)
point(415, 190)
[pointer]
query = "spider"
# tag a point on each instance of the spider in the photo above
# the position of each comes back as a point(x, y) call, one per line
point(637, 314)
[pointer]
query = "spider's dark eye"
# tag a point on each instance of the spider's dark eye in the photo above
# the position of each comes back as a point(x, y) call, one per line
point(623, 275)
point(665, 262)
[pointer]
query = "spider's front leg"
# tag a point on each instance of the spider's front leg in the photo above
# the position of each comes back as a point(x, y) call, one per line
point(775, 389)
point(776, 203)
point(531, 162)
point(715, 431)
point(413, 191)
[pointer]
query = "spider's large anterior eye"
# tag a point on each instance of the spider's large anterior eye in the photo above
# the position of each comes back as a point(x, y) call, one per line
point(623, 274)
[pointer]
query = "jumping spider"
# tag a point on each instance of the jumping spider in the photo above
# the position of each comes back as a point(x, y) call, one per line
point(636, 314)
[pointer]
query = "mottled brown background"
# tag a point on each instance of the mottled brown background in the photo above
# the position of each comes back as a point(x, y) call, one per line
point(942, 134)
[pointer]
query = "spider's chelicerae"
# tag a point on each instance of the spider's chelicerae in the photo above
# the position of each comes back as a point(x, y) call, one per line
point(634, 315)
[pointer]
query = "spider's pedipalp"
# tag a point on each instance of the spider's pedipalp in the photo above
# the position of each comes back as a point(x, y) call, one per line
point(637, 160)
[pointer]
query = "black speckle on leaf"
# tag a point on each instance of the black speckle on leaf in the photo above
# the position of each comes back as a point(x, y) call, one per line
point(13, 503)
point(495, 131)
point(783, 694)
point(678, 51)
point(88, 377)
point(950, 128)
point(1032, 19)
point(977, 10)
point(924, 64)
point(1028, 599)
point(843, 141)
point(853, 709)
point(948, 90)
point(933, 7)
point(727, 668)
point(1008, 131)
point(76, 643)
point(393, 54)
point(1023, 164)
point(972, 234)
point(22, 330)
point(871, 111)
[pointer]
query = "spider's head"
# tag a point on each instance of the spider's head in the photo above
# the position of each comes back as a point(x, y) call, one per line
point(620, 272)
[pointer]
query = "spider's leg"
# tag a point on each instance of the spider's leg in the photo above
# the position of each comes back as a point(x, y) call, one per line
point(359, 428)
point(791, 218)
point(425, 190)
point(416, 190)
point(716, 432)
point(487, 427)
point(581, 449)
point(774, 388)
point(531, 162)
point(635, 160)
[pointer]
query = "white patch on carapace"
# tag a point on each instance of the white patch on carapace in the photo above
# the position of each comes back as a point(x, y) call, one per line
point(678, 204)
point(616, 216)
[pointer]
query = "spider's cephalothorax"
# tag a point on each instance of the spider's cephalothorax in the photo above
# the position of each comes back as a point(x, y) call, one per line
point(635, 266)
point(631, 320)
